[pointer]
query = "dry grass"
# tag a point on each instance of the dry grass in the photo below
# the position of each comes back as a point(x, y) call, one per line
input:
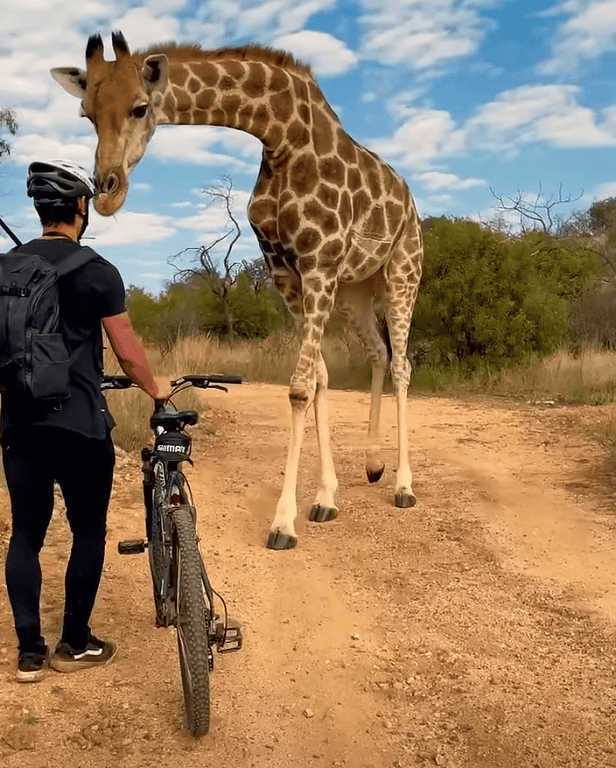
point(588, 376)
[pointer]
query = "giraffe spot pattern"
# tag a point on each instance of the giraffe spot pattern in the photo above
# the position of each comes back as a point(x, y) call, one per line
point(282, 106)
point(353, 179)
point(180, 75)
point(260, 120)
point(206, 98)
point(279, 80)
point(361, 203)
point(332, 250)
point(208, 74)
point(303, 174)
point(374, 183)
point(244, 116)
point(254, 85)
point(307, 263)
point(230, 105)
point(307, 240)
point(182, 102)
point(301, 89)
point(298, 135)
point(329, 196)
point(332, 170)
point(234, 69)
point(274, 136)
point(194, 85)
point(376, 221)
point(322, 134)
point(346, 148)
point(288, 220)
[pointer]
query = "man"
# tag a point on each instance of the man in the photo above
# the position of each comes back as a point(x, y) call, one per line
point(70, 443)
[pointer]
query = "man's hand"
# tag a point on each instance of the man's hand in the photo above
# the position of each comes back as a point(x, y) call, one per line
point(163, 385)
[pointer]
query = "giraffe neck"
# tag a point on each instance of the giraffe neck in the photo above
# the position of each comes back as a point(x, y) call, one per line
point(271, 101)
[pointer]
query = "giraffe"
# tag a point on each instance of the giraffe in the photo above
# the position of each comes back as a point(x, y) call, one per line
point(336, 225)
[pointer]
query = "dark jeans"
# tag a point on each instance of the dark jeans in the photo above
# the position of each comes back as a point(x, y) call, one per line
point(33, 458)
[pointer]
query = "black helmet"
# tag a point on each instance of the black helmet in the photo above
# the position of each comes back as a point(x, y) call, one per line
point(47, 182)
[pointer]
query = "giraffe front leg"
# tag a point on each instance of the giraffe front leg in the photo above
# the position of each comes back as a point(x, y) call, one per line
point(282, 533)
point(374, 462)
point(403, 493)
point(324, 507)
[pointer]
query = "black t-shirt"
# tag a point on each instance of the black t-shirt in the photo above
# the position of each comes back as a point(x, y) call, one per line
point(88, 294)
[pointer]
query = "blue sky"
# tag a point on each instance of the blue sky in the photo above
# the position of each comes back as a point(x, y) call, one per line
point(459, 96)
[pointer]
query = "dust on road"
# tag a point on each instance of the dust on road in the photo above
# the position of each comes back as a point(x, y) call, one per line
point(475, 630)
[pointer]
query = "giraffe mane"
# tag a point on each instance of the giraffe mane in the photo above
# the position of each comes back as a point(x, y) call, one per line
point(176, 52)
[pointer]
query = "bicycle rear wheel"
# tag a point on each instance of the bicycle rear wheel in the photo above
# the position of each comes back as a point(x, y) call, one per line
point(193, 618)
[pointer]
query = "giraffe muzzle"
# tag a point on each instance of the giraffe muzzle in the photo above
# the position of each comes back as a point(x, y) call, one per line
point(112, 191)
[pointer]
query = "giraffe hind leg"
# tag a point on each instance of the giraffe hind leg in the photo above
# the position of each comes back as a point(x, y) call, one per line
point(324, 507)
point(354, 304)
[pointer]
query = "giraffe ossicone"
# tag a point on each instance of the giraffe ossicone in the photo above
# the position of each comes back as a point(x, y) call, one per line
point(336, 225)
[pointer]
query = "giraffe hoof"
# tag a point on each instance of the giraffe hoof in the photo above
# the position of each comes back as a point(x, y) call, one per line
point(279, 540)
point(404, 499)
point(320, 514)
point(374, 475)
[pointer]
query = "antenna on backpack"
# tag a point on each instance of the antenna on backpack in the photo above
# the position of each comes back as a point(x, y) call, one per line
point(10, 233)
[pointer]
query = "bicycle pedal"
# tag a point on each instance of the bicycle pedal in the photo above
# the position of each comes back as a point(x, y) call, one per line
point(135, 547)
point(229, 638)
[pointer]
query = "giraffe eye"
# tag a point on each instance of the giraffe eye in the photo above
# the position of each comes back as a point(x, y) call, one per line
point(140, 110)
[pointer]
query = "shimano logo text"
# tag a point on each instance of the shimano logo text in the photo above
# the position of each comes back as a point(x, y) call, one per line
point(174, 448)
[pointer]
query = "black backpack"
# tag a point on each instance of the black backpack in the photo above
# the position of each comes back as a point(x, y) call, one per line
point(33, 357)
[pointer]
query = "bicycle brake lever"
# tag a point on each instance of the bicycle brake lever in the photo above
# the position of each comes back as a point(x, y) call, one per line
point(217, 386)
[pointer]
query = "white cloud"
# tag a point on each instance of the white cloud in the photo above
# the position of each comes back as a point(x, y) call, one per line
point(605, 190)
point(141, 28)
point(27, 148)
point(326, 54)
point(427, 135)
point(588, 33)
point(211, 219)
point(127, 227)
point(419, 34)
point(437, 180)
point(197, 145)
point(548, 114)
point(258, 20)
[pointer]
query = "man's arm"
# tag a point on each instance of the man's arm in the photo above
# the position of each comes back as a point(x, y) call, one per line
point(132, 357)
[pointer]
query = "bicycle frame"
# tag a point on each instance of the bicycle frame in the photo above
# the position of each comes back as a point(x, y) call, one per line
point(183, 595)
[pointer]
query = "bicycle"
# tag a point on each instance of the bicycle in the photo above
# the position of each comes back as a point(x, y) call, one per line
point(183, 595)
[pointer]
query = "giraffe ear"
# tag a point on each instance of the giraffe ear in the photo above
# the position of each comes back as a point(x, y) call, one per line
point(71, 79)
point(154, 72)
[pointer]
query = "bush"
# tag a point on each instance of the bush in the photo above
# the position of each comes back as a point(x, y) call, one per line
point(488, 302)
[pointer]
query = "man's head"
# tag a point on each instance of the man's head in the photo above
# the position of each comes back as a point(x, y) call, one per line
point(61, 191)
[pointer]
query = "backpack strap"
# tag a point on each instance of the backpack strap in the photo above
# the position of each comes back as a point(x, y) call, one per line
point(80, 255)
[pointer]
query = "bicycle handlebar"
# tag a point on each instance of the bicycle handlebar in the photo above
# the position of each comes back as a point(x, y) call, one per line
point(201, 381)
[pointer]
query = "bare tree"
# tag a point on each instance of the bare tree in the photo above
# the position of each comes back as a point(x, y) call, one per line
point(535, 213)
point(220, 280)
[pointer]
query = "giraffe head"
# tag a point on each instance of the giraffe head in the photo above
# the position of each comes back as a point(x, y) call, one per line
point(120, 98)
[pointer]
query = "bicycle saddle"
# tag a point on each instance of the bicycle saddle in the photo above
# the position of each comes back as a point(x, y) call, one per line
point(173, 420)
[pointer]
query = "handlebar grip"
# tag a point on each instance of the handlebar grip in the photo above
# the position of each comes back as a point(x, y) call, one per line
point(221, 378)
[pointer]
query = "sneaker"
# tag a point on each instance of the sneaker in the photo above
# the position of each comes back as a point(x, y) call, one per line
point(32, 667)
point(97, 653)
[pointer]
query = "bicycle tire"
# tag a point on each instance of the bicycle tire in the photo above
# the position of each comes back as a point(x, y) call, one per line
point(159, 559)
point(192, 619)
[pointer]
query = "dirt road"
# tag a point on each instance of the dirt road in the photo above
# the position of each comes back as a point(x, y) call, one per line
point(476, 630)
